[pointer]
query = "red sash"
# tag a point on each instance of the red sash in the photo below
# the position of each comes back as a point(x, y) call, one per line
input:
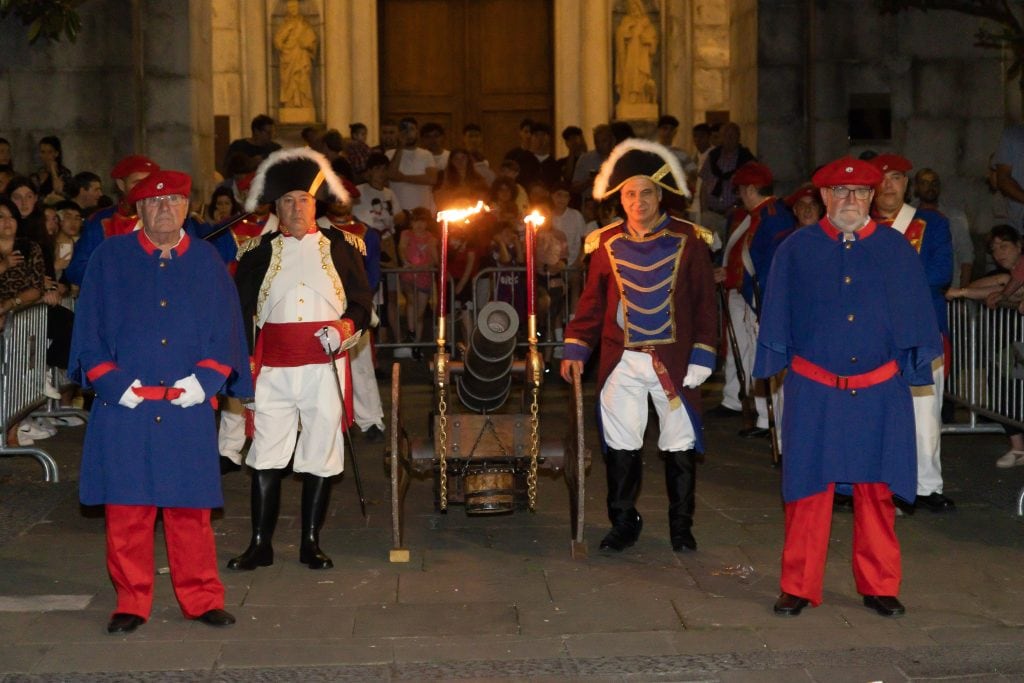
point(806, 368)
point(290, 345)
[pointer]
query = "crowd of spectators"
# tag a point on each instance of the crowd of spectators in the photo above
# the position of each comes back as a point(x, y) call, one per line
point(414, 169)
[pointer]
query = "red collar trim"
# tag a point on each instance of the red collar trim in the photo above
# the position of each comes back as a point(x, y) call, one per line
point(178, 249)
point(834, 233)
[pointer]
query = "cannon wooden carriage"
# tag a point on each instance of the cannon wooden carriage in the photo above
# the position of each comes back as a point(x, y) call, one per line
point(484, 460)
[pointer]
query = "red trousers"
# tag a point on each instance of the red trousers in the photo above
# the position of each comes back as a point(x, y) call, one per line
point(190, 551)
point(876, 552)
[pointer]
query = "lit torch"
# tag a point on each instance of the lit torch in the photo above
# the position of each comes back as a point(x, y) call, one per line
point(533, 221)
point(450, 216)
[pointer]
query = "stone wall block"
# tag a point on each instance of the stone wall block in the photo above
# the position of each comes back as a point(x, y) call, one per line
point(780, 36)
point(711, 47)
point(936, 84)
point(168, 100)
point(939, 34)
point(175, 143)
point(830, 140)
point(711, 12)
point(981, 138)
point(708, 88)
point(934, 142)
point(983, 89)
point(780, 95)
point(777, 149)
point(830, 98)
point(226, 52)
point(224, 14)
point(227, 93)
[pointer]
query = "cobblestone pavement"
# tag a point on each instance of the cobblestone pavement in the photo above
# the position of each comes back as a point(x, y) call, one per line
point(499, 599)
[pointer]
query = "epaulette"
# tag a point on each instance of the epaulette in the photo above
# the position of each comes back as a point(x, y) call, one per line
point(247, 246)
point(355, 240)
point(593, 239)
point(706, 234)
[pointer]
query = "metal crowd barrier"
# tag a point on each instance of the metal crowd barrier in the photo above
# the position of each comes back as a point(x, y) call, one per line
point(22, 376)
point(483, 289)
point(986, 374)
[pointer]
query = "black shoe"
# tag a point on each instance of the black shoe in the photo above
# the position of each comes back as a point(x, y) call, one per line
point(216, 617)
point(753, 433)
point(265, 500)
point(790, 605)
point(124, 623)
point(886, 605)
point(316, 493)
point(722, 411)
point(683, 540)
point(936, 502)
point(622, 537)
point(842, 503)
point(374, 433)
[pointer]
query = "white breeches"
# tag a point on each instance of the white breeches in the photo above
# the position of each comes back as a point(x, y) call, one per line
point(744, 322)
point(928, 420)
point(624, 408)
point(365, 392)
point(283, 397)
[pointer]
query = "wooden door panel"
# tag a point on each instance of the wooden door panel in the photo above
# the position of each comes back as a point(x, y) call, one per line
point(461, 61)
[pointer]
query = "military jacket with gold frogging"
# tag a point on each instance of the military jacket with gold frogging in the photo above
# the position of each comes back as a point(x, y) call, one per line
point(655, 290)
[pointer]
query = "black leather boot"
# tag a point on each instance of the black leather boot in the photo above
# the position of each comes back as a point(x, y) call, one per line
point(680, 479)
point(266, 501)
point(624, 472)
point(316, 492)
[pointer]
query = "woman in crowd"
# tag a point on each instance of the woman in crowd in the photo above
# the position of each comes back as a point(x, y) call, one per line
point(1005, 245)
point(222, 206)
point(52, 175)
point(460, 183)
point(22, 276)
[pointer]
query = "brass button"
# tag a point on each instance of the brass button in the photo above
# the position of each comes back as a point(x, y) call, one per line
point(163, 264)
point(853, 359)
point(161, 383)
point(848, 245)
point(850, 317)
point(300, 318)
point(163, 303)
point(853, 392)
point(302, 301)
point(163, 342)
point(157, 419)
point(847, 280)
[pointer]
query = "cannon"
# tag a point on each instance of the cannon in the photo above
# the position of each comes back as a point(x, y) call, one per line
point(486, 458)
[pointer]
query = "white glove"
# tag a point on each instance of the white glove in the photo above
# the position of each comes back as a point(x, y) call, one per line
point(129, 399)
point(695, 376)
point(329, 338)
point(193, 394)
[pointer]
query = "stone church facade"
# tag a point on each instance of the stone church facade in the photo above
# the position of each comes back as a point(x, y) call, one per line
point(806, 80)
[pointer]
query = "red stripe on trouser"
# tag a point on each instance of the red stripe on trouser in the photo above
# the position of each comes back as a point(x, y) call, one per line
point(876, 552)
point(191, 553)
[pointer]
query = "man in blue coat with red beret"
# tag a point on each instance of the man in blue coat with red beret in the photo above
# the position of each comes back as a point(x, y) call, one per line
point(158, 332)
point(847, 311)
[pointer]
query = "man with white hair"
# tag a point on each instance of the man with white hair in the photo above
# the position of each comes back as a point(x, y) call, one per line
point(649, 301)
point(306, 293)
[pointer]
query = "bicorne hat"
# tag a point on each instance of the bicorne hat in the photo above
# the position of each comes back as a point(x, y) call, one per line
point(287, 170)
point(635, 158)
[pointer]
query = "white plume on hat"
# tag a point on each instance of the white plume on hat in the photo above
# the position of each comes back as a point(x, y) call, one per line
point(604, 175)
point(330, 178)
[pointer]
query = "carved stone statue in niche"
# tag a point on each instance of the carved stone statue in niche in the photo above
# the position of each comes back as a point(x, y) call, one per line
point(296, 43)
point(636, 44)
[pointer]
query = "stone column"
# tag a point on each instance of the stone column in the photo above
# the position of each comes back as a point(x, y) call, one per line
point(253, 47)
point(351, 68)
point(582, 65)
point(176, 101)
point(677, 45)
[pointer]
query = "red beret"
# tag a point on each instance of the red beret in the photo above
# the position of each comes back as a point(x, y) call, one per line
point(245, 182)
point(847, 171)
point(161, 183)
point(891, 162)
point(134, 163)
point(806, 190)
point(752, 173)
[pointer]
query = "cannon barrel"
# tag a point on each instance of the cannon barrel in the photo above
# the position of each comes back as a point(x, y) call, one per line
point(487, 375)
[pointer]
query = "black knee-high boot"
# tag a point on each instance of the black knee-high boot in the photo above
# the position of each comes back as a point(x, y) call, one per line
point(265, 501)
point(680, 480)
point(624, 472)
point(316, 492)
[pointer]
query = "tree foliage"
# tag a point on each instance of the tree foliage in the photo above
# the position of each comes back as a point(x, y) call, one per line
point(53, 20)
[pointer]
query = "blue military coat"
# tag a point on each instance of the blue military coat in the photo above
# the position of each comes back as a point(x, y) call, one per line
point(156, 320)
point(848, 307)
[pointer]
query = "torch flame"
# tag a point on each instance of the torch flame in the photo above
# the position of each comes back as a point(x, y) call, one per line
point(535, 218)
point(457, 215)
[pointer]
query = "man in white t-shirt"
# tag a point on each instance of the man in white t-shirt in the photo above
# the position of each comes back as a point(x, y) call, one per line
point(379, 208)
point(569, 221)
point(413, 172)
